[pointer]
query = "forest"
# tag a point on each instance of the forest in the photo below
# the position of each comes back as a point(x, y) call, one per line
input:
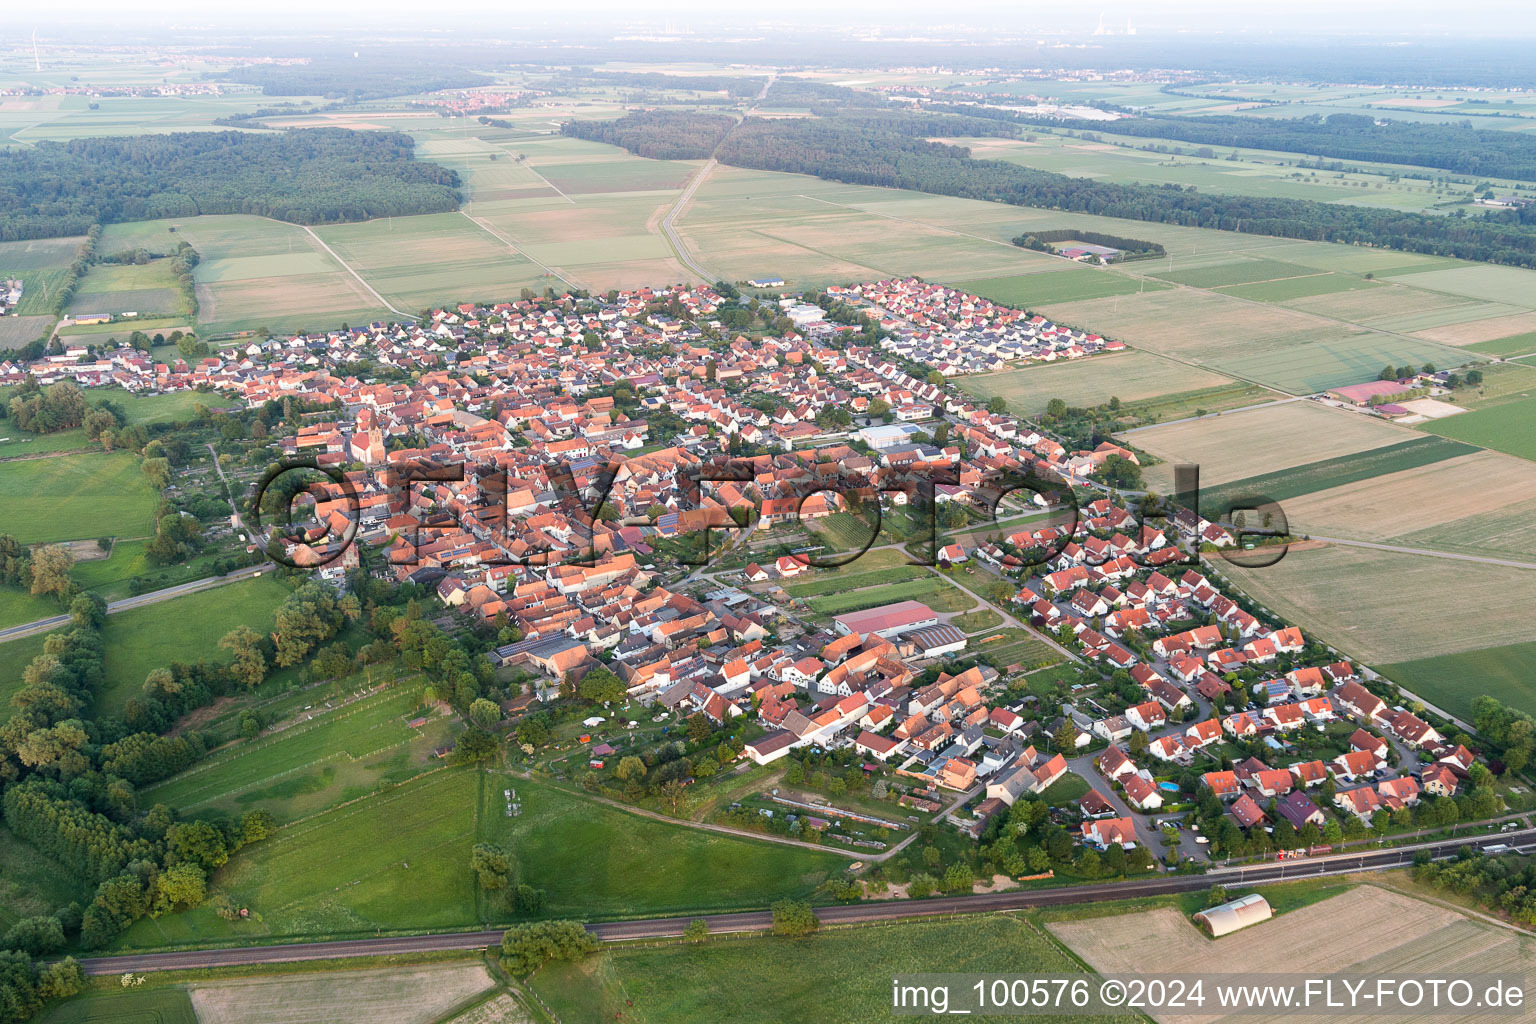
point(863, 150)
point(1455, 147)
point(355, 80)
point(658, 134)
point(309, 176)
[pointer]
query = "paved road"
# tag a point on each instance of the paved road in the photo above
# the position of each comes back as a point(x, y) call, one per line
point(154, 597)
point(366, 286)
point(669, 224)
point(761, 920)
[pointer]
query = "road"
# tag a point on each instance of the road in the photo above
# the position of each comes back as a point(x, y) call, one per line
point(669, 224)
point(761, 920)
point(366, 286)
point(181, 589)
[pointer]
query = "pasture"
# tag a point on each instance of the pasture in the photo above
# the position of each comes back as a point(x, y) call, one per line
point(1129, 376)
point(1408, 936)
point(75, 497)
point(1360, 600)
point(42, 265)
point(1271, 438)
point(391, 995)
point(1450, 681)
point(1506, 427)
point(761, 979)
point(597, 861)
point(323, 758)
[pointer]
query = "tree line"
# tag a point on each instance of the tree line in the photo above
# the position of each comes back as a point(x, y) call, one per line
point(309, 176)
point(862, 151)
point(1130, 248)
point(658, 134)
point(356, 79)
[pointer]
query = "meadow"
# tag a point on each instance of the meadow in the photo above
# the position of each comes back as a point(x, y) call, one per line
point(933, 592)
point(833, 582)
point(118, 288)
point(1129, 376)
point(31, 885)
point(1450, 681)
point(74, 497)
point(760, 979)
point(147, 1006)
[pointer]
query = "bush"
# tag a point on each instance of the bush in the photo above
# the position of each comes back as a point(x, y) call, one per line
point(794, 917)
point(525, 947)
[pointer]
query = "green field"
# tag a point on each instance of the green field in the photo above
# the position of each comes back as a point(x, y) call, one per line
point(841, 975)
point(18, 606)
point(1452, 680)
point(1236, 272)
point(1017, 647)
point(933, 592)
point(75, 497)
point(1323, 474)
point(1301, 287)
point(838, 583)
point(118, 288)
point(1180, 404)
point(147, 1006)
point(110, 576)
point(1129, 376)
point(1515, 345)
point(1510, 427)
point(143, 639)
point(32, 885)
point(1024, 291)
point(324, 759)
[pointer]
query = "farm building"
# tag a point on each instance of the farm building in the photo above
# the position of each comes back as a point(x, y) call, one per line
point(936, 641)
point(1376, 390)
point(888, 621)
point(1239, 913)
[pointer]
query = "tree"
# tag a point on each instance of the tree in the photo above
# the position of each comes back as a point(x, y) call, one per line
point(1056, 408)
point(671, 794)
point(525, 947)
point(37, 936)
point(696, 930)
point(179, 887)
point(601, 686)
point(249, 666)
point(475, 746)
point(997, 404)
point(50, 570)
point(199, 842)
point(1474, 377)
point(1137, 744)
point(532, 732)
point(1066, 737)
point(793, 917)
point(1216, 896)
point(484, 713)
point(158, 471)
point(492, 866)
point(959, 878)
point(630, 767)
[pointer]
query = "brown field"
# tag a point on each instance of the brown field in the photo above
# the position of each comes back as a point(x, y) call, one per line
point(398, 995)
point(1365, 303)
point(1474, 504)
point(1257, 441)
point(1384, 607)
point(326, 297)
point(16, 331)
point(501, 1009)
point(1476, 331)
point(1387, 933)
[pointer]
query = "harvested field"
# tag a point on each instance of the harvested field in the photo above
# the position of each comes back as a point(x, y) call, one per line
point(1355, 598)
point(1407, 936)
point(1274, 437)
point(1478, 331)
point(394, 995)
point(1128, 376)
point(499, 1009)
point(1362, 304)
point(16, 331)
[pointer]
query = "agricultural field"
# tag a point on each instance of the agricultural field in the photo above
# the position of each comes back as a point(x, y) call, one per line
point(933, 592)
point(1450, 681)
point(391, 995)
point(1069, 284)
point(1129, 376)
point(119, 288)
point(842, 582)
point(1198, 402)
point(43, 266)
point(73, 497)
point(765, 979)
point(1506, 427)
point(323, 758)
point(1472, 504)
point(1296, 481)
point(129, 1006)
point(567, 845)
point(1385, 607)
point(1274, 437)
point(31, 885)
point(1408, 936)
point(1013, 647)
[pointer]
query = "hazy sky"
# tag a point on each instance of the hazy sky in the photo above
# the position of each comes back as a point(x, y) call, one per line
point(1357, 18)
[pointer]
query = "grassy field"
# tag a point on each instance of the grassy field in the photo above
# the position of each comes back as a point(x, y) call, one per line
point(1452, 680)
point(1198, 402)
point(596, 861)
point(74, 497)
point(18, 606)
point(1323, 474)
point(1504, 428)
point(149, 1006)
point(933, 592)
point(140, 640)
point(1014, 647)
point(127, 287)
point(1363, 601)
point(330, 757)
point(840, 582)
point(1129, 376)
point(1024, 291)
point(31, 884)
point(1515, 345)
point(752, 980)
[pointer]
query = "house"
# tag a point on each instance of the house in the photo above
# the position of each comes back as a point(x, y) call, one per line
point(1146, 717)
point(1395, 793)
point(1357, 700)
point(1285, 717)
point(1298, 809)
point(1114, 763)
point(1203, 734)
point(1246, 811)
point(1049, 772)
point(1223, 784)
point(1169, 748)
point(1438, 780)
point(1010, 787)
point(1362, 739)
point(1310, 773)
point(1142, 794)
point(1355, 764)
point(1095, 805)
point(1362, 802)
point(1113, 729)
point(771, 747)
point(1271, 782)
point(875, 745)
point(1105, 832)
point(1411, 729)
point(756, 573)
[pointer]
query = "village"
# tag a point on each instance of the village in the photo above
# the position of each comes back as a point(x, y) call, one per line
point(1195, 727)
